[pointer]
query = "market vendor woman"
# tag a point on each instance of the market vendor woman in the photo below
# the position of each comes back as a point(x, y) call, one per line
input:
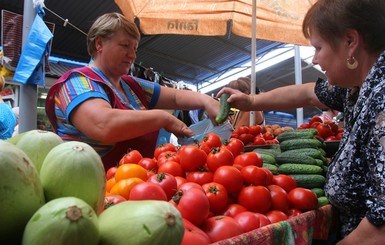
point(102, 106)
point(349, 41)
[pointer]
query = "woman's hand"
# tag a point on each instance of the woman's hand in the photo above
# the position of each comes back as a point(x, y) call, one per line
point(238, 99)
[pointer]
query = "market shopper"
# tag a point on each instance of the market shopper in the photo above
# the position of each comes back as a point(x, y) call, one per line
point(349, 41)
point(7, 117)
point(102, 106)
point(242, 118)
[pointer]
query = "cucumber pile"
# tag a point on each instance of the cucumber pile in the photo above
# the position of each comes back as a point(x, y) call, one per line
point(302, 156)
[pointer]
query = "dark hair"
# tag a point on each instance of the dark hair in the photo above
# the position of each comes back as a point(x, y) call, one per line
point(242, 84)
point(331, 18)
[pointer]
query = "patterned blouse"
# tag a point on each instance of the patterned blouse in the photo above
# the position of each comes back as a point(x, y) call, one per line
point(355, 182)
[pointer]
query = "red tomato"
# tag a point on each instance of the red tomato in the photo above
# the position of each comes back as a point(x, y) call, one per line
point(217, 195)
point(236, 146)
point(269, 179)
point(279, 198)
point(333, 126)
point(194, 235)
point(247, 220)
point(253, 175)
point(263, 220)
point(315, 124)
point(285, 181)
point(268, 136)
point(258, 140)
point(293, 212)
point(331, 137)
point(111, 172)
point(111, 200)
point(255, 198)
point(246, 138)
point(147, 191)
point(248, 158)
point(242, 130)
point(132, 156)
point(166, 181)
point(324, 130)
point(272, 142)
point(230, 177)
point(200, 177)
point(339, 136)
point(315, 119)
point(164, 147)
point(204, 146)
point(212, 140)
point(171, 167)
point(276, 216)
point(167, 156)
point(149, 163)
point(304, 125)
point(188, 185)
point(221, 227)
point(219, 156)
point(233, 209)
point(255, 129)
point(180, 181)
point(192, 158)
point(193, 205)
point(303, 199)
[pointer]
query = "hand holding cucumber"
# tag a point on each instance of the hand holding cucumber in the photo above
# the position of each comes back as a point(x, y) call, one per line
point(224, 109)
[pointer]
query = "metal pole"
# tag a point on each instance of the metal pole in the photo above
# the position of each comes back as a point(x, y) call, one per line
point(298, 79)
point(253, 54)
point(28, 92)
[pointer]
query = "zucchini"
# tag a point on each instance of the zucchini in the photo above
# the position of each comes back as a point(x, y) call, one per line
point(273, 168)
point(322, 201)
point(318, 191)
point(300, 143)
point(308, 133)
point(289, 168)
point(309, 180)
point(300, 159)
point(224, 109)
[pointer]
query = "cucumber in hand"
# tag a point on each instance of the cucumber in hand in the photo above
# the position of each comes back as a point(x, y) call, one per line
point(224, 109)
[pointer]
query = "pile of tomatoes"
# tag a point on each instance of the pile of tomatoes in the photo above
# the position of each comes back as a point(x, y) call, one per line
point(327, 130)
point(220, 190)
point(255, 135)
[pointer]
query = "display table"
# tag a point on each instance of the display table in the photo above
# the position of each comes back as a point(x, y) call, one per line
point(299, 230)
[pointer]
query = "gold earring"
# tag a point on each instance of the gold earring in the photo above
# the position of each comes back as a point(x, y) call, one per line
point(351, 63)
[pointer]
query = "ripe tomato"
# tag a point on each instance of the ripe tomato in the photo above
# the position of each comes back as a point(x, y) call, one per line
point(253, 175)
point(247, 220)
point(129, 170)
point(233, 209)
point(279, 198)
point(188, 185)
point(255, 198)
point(212, 140)
point(242, 130)
point(263, 220)
point(110, 183)
point(167, 156)
point(111, 172)
point(112, 200)
point(293, 212)
point(258, 140)
point(166, 181)
point(268, 136)
point(171, 167)
point(331, 137)
point(248, 158)
point(285, 181)
point(333, 126)
point(303, 199)
point(194, 235)
point(191, 158)
point(123, 187)
point(217, 195)
point(230, 177)
point(236, 146)
point(147, 191)
point(164, 147)
point(339, 136)
point(315, 119)
point(255, 129)
point(269, 179)
point(193, 205)
point(276, 216)
point(304, 125)
point(200, 177)
point(324, 130)
point(149, 163)
point(132, 156)
point(219, 156)
point(179, 180)
point(246, 138)
point(221, 227)
point(204, 146)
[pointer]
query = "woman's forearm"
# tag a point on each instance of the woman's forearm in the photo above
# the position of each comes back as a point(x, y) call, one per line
point(365, 233)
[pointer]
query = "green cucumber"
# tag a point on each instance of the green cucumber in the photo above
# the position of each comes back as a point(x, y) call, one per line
point(273, 168)
point(322, 201)
point(300, 159)
point(308, 133)
point(300, 143)
point(318, 191)
point(267, 158)
point(289, 168)
point(309, 180)
point(224, 109)
point(311, 152)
